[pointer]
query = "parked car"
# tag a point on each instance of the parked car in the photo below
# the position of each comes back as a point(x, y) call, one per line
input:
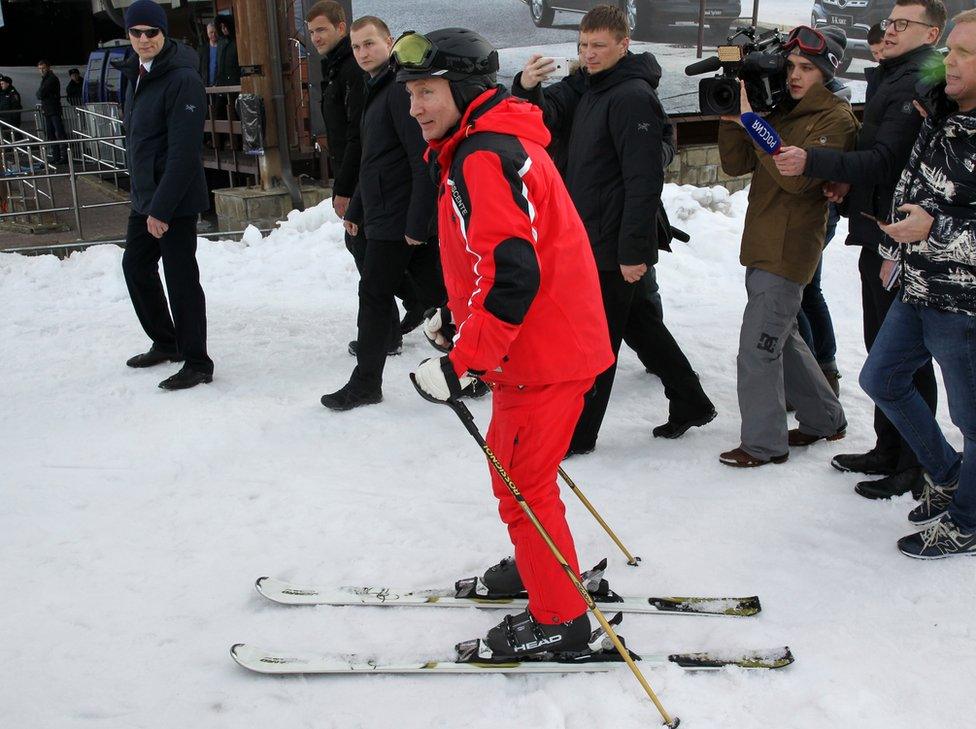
point(649, 18)
point(857, 16)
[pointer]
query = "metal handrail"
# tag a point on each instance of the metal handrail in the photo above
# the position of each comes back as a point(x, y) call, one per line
point(55, 248)
point(53, 142)
point(89, 112)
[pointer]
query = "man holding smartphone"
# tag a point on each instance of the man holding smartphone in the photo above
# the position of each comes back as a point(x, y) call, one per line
point(614, 172)
point(864, 180)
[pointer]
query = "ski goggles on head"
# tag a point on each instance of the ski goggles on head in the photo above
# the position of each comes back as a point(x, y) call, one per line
point(806, 39)
point(415, 52)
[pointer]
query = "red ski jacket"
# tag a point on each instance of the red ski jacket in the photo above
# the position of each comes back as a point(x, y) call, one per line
point(521, 280)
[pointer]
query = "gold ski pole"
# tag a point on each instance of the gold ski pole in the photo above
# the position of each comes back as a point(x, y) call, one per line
point(468, 420)
point(631, 559)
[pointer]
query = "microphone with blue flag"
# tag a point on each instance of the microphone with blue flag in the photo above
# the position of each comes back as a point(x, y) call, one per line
point(762, 132)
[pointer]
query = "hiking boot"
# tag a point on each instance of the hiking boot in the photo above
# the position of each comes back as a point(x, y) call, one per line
point(677, 428)
point(894, 485)
point(352, 396)
point(872, 463)
point(392, 351)
point(738, 458)
point(799, 439)
point(833, 378)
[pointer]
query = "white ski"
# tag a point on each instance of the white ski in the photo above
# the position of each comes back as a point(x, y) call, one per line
point(287, 593)
point(287, 663)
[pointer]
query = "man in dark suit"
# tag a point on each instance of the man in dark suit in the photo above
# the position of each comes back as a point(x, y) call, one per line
point(164, 118)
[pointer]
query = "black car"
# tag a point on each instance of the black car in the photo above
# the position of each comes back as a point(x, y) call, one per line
point(857, 16)
point(648, 18)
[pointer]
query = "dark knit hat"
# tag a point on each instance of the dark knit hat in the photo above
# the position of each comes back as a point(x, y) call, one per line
point(146, 12)
point(829, 59)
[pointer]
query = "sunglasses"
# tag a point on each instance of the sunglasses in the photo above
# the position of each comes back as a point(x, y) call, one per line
point(144, 32)
point(806, 39)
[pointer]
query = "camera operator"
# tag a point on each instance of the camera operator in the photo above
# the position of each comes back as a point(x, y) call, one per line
point(865, 180)
point(781, 247)
point(936, 313)
point(614, 171)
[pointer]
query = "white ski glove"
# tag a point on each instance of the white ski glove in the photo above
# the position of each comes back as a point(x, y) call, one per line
point(439, 329)
point(435, 380)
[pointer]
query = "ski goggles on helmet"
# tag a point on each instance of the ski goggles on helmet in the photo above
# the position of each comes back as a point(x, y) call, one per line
point(806, 39)
point(415, 52)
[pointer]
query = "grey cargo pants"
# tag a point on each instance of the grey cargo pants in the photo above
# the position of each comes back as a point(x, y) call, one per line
point(775, 365)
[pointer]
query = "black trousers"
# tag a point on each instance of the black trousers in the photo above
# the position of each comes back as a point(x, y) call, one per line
point(385, 264)
point(875, 302)
point(186, 332)
point(54, 129)
point(646, 333)
point(406, 291)
point(618, 297)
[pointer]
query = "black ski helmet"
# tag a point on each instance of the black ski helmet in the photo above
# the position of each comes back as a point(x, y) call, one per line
point(461, 56)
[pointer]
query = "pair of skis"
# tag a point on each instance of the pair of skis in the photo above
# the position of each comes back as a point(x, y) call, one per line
point(475, 657)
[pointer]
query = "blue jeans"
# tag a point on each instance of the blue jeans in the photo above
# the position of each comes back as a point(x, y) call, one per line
point(814, 322)
point(911, 333)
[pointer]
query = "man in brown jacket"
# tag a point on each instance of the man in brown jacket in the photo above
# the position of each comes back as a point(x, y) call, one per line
point(781, 246)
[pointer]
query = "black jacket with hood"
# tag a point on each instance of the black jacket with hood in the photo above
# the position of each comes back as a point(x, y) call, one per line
point(396, 195)
point(884, 142)
point(163, 123)
point(614, 158)
point(343, 96)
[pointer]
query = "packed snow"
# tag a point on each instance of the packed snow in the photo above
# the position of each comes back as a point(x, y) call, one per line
point(136, 520)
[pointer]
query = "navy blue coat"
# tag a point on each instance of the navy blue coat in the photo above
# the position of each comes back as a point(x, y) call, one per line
point(396, 195)
point(163, 123)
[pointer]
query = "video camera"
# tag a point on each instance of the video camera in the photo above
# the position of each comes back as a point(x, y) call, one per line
point(759, 62)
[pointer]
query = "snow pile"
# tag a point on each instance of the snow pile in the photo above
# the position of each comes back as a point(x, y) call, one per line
point(135, 521)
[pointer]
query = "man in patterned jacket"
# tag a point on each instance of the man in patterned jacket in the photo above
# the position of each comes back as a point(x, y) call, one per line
point(523, 290)
point(935, 240)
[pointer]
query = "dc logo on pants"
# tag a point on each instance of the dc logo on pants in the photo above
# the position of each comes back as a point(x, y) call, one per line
point(767, 343)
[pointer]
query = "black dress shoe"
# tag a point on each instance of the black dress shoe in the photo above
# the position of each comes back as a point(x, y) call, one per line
point(352, 396)
point(872, 463)
point(153, 357)
point(677, 428)
point(579, 450)
point(392, 351)
point(894, 485)
point(185, 379)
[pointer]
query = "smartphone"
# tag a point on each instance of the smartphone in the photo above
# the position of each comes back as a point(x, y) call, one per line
point(871, 217)
point(562, 67)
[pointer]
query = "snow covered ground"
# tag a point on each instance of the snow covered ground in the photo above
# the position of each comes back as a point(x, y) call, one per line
point(135, 521)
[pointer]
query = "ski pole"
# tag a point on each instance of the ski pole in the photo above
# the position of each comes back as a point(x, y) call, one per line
point(631, 559)
point(468, 420)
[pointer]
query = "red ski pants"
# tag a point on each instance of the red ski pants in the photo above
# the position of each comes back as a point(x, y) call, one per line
point(530, 431)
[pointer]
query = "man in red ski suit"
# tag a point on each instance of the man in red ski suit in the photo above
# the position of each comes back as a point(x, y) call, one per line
point(524, 293)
